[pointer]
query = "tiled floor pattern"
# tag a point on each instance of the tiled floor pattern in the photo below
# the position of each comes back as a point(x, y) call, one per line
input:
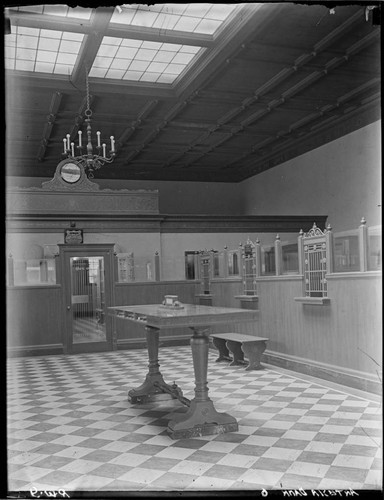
point(71, 427)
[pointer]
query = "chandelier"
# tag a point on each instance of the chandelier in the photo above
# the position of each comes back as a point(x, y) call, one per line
point(89, 161)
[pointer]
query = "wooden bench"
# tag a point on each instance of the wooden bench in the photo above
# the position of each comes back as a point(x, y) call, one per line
point(239, 344)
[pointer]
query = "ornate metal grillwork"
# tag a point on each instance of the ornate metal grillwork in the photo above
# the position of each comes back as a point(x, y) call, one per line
point(249, 268)
point(315, 262)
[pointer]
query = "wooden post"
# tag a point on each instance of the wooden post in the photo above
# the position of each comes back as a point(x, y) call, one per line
point(11, 272)
point(225, 262)
point(240, 262)
point(211, 264)
point(157, 266)
point(116, 267)
point(329, 248)
point(300, 251)
point(258, 257)
point(197, 264)
point(278, 256)
point(363, 245)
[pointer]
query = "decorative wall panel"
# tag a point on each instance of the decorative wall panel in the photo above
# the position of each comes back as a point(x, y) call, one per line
point(98, 202)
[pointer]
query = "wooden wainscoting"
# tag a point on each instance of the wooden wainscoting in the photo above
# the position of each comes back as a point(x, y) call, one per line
point(340, 341)
point(33, 322)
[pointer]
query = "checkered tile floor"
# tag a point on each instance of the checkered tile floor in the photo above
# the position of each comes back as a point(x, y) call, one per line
point(71, 427)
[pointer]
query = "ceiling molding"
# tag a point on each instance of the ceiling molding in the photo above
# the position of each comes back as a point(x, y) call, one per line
point(166, 223)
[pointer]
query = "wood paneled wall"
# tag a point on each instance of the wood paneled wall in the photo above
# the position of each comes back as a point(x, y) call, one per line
point(33, 319)
point(345, 333)
point(344, 336)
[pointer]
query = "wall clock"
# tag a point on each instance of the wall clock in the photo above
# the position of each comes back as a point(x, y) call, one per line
point(70, 172)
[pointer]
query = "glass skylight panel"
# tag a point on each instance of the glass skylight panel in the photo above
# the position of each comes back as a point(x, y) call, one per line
point(56, 52)
point(145, 61)
point(42, 50)
point(57, 10)
point(200, 18)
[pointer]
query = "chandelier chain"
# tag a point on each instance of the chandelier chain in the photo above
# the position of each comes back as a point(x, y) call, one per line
point(88, 111)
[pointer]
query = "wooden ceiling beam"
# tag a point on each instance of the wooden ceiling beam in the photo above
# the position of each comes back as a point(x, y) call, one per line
point(91, 44)
point(53, 110)
point(23, 80)
point(286, 73)
point(323, 44)
point(171, 114)
point(158, 35)
point(361, 115)
point(142, 115)
point(227, 46)
point(338, 106)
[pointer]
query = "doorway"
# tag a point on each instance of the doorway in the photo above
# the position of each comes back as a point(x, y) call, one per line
point(87, 278)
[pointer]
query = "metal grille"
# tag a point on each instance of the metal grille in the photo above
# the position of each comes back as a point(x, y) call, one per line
point(249, 276)
point(315, 261)
point(88, 299)
point(205, 271)
point(249, 268)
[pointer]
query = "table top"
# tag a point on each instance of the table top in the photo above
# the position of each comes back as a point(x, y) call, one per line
point(190, 315)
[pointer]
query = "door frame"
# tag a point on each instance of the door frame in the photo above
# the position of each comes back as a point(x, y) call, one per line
point(67, 251)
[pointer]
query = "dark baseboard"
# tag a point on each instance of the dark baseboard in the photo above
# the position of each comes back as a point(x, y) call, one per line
point(347, 377)
point(35, 350)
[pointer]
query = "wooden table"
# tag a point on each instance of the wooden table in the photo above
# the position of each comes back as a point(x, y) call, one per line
point(201, 418)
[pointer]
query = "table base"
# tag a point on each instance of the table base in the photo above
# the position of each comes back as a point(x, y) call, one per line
point(151, 391)
point(201, 419)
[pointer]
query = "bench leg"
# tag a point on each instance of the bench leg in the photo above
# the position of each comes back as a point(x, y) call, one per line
point(222, 348)
point(253, 351)
point(238, 355)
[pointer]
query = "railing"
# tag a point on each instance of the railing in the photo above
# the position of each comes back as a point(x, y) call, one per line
point(356, 250)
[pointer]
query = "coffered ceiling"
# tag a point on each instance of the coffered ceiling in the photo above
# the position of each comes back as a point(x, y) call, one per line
point(200, 92)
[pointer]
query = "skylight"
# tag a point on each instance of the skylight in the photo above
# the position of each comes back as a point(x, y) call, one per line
point(57, 10)
point(203, 18)
point(41, 50)
point(37, 44)
point(144, 61)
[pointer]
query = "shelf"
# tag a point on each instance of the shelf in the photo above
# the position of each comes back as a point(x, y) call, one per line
point(316, 301)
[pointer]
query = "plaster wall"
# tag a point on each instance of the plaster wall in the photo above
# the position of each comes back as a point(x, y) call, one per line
point(341, 179)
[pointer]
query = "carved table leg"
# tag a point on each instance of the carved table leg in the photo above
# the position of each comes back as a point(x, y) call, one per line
point(253, 351)
point(150, 390)
point(222, 348)
point(238, 355)
point(201, 418)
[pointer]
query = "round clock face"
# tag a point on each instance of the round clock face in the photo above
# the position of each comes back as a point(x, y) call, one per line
point(70, 172)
